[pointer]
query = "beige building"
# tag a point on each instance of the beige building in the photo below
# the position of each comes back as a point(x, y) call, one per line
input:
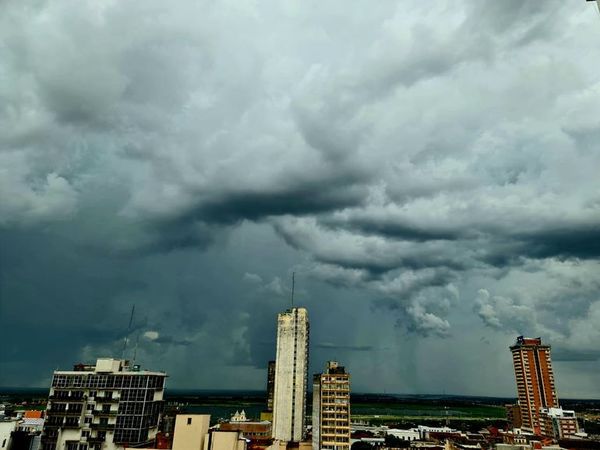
point(225, 440)
point(291, 371)
point(190, 431)
point(331, 409)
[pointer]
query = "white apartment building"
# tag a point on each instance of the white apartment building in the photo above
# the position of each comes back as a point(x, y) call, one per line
point(558, 423)
point(103, 406)
point(291, 371)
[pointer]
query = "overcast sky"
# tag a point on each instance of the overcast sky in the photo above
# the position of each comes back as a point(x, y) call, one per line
point(429, 170)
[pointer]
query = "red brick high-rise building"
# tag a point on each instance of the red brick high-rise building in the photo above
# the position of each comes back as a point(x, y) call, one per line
point(535, 380)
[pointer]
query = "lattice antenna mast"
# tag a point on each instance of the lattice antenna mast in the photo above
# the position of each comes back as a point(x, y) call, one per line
point(137, 341)
point(126, 340)
point(293, 286)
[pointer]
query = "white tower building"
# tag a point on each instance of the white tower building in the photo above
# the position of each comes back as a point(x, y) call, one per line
point(291, 371)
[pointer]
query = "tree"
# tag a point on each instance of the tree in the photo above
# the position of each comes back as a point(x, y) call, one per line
point(361, 445)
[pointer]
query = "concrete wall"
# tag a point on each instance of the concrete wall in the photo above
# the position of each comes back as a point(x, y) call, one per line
point(227, 440)
point(6, 427)
point(316, 413)
point(71, 434)
point(190, 431)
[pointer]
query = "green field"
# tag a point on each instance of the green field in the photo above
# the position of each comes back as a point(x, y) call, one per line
point(391, 411)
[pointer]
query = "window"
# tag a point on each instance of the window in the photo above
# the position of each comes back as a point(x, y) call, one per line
point(189, 422)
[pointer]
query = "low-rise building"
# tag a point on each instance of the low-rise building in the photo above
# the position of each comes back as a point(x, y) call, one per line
point(225, 440)
point(253, 430)
point(558, 423)
point(190, 431)
point(412, 434)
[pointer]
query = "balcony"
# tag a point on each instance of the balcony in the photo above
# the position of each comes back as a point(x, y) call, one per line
point(100, 413)
point(102, 426)
point(107, 400)
point(67, 399)
point(65, 412)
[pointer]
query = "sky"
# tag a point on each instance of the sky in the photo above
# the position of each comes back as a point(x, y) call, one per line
point(428, 170)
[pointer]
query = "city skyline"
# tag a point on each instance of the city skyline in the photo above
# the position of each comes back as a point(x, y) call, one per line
point(427, 170)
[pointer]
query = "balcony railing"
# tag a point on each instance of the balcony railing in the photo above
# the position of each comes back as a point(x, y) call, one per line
point(102, 426)
point(64, 412)
point(67, 399)
point(98, 412)
point(107, 400)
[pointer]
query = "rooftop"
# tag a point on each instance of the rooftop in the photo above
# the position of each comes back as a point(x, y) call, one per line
point(109, 365)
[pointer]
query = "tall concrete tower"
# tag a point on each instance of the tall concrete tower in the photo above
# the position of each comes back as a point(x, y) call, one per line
point(535, 380)
point(291, 372)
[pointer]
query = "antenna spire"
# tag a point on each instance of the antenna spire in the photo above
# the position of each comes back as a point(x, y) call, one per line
point(293, 286)
point(137, 340)
point(126, 340)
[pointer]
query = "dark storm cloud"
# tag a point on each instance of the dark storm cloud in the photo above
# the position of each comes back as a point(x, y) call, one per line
point(304, 198)
point(575, 242)
point(434, 161)
point(403, 231)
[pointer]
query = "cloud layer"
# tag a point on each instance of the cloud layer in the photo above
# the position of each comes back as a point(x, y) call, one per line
point(434, 164)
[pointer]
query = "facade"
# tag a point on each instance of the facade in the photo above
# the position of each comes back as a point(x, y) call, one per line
point(255, 431)
point(225, 440)
point(411, 434)
point(190, 431)
point(558, 423)
point(270, 385)
point(7, 427)
point(331, 409)
point(513, 415)
point(102, 406)
point(535, 380)
point(291, 370)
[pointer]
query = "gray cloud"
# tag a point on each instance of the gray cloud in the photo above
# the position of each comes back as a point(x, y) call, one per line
point(434, 164)
point(353, 348)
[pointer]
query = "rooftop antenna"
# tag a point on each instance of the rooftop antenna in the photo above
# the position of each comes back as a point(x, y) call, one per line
point(128, 332)
point(293, 285)
point(137, 340)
